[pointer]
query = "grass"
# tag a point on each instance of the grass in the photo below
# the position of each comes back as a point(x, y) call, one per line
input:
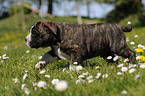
point(12, 44)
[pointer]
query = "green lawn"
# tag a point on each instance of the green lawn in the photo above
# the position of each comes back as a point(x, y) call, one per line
point(20, 60)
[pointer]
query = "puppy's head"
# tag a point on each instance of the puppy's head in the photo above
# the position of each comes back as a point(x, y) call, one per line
point(42, 34)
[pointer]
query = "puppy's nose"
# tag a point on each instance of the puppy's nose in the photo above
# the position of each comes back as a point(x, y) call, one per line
point(25, 39)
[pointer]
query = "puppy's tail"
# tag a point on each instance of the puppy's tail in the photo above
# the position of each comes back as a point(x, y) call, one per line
point(127, 29)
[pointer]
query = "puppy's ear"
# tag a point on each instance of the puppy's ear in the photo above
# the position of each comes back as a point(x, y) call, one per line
point(51, 26)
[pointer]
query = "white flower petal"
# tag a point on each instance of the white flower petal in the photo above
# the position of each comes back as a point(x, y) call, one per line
point(61, 86)
point(142, 66)
point(48, 76)
point(42, 72)
point(124, 69)
point(41, 84)
point(54, 81)
point(137, 76)
point(24, 77)
point(124, 92)
point(121, 65)
point(132, 70)
point(79, 68)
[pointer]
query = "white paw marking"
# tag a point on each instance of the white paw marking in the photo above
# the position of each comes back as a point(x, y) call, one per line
point(40, 64)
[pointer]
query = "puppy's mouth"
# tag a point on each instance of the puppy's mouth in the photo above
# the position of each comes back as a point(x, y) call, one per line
point(27, 40)
point(27, 43)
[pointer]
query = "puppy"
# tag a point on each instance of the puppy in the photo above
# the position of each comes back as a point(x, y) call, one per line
point(79, 42)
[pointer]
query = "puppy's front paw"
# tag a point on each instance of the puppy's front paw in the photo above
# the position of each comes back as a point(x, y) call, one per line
point(40, 64)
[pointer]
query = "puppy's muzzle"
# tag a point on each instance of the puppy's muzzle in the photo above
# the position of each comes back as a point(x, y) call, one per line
point(27, 40)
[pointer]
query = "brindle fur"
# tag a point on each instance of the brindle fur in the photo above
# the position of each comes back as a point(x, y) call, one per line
point(82, 41)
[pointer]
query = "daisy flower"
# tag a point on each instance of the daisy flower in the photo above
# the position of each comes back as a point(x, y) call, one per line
point(42, 72)
point(137, 76)
point(120, 65)
point(26, 71)
point(124, 92)
point(97, 67)
point(90, 77)
point(23, 86)
point(27, 91)
point(54, 81)
point(27, 51)
point(4, 57)
point(109, 57)
point(142, 66)
point(138, 58)
point(115, 58)
point(63, 69)
point(140, 46)
point(15, 80)
point(79, 68)
point(98, 75)
point(124, 69)
point(41, 84)
point(61, 86)
point(81, 76)
point(134, 65)
point(119, 73)
point(105, 76)
point(2, 61)
point(48, 76)
point(35, 84)
point(132, 43)
point(130, 66)
point(143, 47)
point(135, 36)
point(78, 81)
point(24, 77)
point(126, 60)
point(86, 73)
point(132, 70)
point(40, 57)
point(75, 63)
point(6, 87)
point(35, 88)
point(90, 81)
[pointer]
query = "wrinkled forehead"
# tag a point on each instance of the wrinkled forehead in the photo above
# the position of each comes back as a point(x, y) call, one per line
point(35, 25)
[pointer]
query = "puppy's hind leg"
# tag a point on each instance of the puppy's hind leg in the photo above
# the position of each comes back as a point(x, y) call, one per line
point(46, 58)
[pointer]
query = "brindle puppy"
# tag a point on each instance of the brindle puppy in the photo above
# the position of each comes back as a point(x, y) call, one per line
point(79, 42)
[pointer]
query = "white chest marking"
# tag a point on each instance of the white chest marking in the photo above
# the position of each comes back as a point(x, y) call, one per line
point(60, 54)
